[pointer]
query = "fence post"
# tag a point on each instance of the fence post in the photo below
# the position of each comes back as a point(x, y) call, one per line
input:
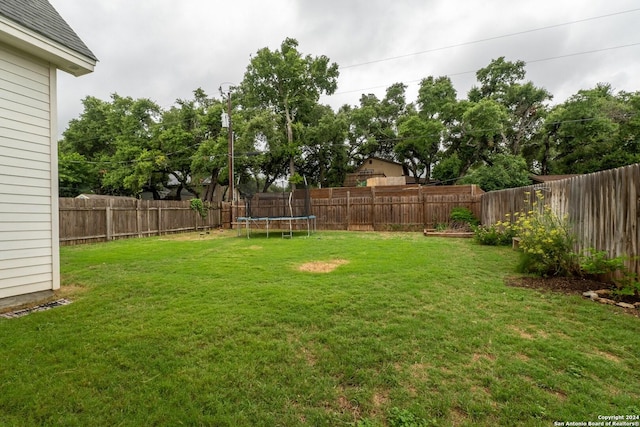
point(373, 208)
point(425, 212)
point(225, 215)
point(348, 210)
point(138, 218)
point(159, 221)
point(109, 221)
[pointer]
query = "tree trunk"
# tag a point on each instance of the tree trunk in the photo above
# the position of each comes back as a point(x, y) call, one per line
point(292, 165)
point(208, 197)
point(156, 195)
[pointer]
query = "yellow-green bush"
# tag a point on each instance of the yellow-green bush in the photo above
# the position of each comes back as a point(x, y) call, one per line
point(546, 241)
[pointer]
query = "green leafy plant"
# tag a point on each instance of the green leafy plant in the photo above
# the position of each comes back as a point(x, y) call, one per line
point(498, 234)
point(546, 241)
point(296, 179)
point(462, 217)
point(441, 226)
point(198, 206)
point(405, 418)
point(628, 284)
point(595, 263)
point(599, 264)
point(366, 422)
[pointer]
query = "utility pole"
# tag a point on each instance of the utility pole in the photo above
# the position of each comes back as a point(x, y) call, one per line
point(231, 190)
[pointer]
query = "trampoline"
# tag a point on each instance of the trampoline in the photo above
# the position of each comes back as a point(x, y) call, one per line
point(287, 218)
point(247, 222)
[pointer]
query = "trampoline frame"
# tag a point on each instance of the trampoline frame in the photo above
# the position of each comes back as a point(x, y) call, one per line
point(248, 221)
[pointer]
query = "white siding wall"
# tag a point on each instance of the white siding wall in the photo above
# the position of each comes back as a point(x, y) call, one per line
point(28, 175)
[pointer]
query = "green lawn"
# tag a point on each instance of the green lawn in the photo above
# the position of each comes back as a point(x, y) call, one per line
point(227, 331)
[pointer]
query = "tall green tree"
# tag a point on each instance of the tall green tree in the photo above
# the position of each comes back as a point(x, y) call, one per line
point(188, 131)
point(125, 146)
point(115, 139)
point(131, 167)
point(374, 124)
point(87, 141)
point(437, 99)
point(592, 131)
point(289, 84)
point(481, 133)
point(526, 104)
point(505, 171)
point(325, 154)
point(496, 79)
point(419, 144)
point(271, 158)
point(438, 106)
point(75, 174)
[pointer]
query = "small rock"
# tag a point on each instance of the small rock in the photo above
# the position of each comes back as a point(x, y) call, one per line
point(590, 294)
point(625, 305)
point(605, 301)
point(603, 292)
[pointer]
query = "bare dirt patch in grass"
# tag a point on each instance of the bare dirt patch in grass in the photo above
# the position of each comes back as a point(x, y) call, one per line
point(346, 406)
point(380, 398)
point(608, 356)
point(458, 417)
point(419, 371)
point(559, 394)
point(309, 357)
point(322, 266)
point(478, 356)
point(523, 334)
point(69, 291)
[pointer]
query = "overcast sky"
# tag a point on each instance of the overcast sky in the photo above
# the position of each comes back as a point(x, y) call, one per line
point(164, 49)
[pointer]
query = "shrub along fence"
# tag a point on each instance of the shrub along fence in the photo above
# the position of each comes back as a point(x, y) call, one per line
point(603, 209)
point(388, 208)
point(99, 220)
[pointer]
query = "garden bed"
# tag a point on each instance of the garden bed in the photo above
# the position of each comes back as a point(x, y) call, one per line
point(573, 286)
point(463, 234)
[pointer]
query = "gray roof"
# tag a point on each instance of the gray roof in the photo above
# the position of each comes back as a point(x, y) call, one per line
point(41, 17)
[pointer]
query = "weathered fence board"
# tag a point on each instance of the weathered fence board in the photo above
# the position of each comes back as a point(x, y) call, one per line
point(603, 209)
point(372, 208)
point(99, 220)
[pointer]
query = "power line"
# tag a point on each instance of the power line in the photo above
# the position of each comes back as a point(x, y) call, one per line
point(468, 43)
point(551, 58)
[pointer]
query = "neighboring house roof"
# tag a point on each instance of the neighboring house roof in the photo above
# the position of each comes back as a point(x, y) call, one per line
point(44, 25)
point(541, 179)
point(364, 162)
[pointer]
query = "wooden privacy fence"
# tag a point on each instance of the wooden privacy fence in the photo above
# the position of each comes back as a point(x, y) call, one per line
point(603, 209)
point(409, 208)
point(99, 220)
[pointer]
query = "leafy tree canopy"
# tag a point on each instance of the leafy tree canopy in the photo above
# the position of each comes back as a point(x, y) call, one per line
point(505, 171)
point(125, 146)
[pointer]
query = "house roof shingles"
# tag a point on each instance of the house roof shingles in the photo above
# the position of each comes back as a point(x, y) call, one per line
point(41, 17)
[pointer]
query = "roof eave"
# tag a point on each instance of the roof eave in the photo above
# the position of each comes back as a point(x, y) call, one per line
point(29, 41)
